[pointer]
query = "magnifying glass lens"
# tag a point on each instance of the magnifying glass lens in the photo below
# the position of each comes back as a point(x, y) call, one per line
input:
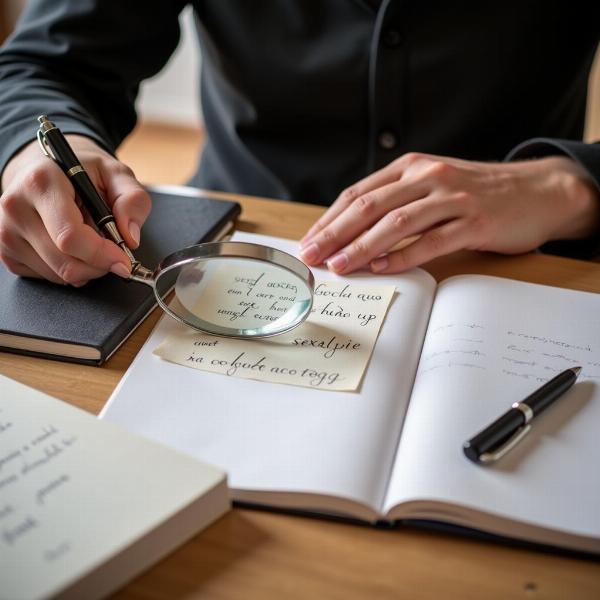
point(235, 297)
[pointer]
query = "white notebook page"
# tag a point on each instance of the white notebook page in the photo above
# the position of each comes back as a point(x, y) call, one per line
point(274, 437)
point(492, 342)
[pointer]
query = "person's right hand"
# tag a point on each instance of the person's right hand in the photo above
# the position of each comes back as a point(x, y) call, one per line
point(43, 232)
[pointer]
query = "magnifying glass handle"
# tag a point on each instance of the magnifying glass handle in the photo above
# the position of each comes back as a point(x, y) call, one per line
point(141, 274)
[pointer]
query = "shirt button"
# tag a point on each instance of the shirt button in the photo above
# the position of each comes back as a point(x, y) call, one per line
point(387, 140)
point(392, 38)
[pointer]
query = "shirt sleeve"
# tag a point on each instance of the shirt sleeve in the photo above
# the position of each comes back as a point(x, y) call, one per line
point(81, 62)
point(588, 157)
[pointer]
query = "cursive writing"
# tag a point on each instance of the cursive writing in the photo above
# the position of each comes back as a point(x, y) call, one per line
point(341, 329)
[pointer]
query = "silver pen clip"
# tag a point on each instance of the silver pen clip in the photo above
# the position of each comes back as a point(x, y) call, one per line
point(511, 442)
point(44, 145)
point(45, 125)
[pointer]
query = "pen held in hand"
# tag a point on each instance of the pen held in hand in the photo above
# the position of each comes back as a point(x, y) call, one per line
point(189, 269)
point(54, 145)
point(493, 442)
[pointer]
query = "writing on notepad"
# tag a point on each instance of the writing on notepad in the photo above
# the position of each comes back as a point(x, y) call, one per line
point(329, 351)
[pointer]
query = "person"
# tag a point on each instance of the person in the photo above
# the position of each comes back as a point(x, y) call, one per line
point(454, 125)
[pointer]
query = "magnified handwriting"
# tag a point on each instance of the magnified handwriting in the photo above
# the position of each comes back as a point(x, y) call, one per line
point(237, 293)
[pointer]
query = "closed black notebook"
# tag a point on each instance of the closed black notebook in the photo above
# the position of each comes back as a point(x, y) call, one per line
point(88, 324)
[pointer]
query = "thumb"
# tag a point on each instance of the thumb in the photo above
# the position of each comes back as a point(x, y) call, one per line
point(130, 202)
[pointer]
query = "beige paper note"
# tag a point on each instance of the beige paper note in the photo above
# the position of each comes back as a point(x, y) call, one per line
point(329, 351)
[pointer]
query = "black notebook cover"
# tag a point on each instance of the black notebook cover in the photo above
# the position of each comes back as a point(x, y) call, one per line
point(88, 324)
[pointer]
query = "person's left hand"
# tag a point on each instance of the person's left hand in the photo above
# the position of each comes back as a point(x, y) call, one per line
point(452, 204)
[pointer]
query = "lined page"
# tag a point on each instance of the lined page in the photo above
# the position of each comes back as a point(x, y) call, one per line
point(492, 342)
point(282, 438)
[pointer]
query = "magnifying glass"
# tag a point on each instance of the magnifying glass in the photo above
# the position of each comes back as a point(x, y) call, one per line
point(232, 289)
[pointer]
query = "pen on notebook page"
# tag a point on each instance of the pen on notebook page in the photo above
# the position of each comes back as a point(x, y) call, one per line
point(506, 431)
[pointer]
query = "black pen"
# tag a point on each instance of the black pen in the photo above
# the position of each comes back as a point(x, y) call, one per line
point(506, 431)
point(55, 146)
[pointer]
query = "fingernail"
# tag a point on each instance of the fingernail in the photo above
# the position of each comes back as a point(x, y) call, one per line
point(338, 263)
point(134, 232)
point(121, 270)
point(379, 264)
point(310, 253)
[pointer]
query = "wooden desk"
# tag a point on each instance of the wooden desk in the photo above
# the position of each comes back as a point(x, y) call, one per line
point(254, 554)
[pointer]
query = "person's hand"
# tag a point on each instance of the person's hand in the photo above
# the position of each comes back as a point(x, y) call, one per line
point(43, 232)
point(452, 204)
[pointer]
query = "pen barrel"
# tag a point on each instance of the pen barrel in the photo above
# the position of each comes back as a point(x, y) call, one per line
point(91, 199)
point(549, 392)
point(70, 164)
point(494, 435)
point(60, 148)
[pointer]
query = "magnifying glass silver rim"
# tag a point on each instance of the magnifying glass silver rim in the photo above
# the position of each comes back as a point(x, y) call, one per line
point(229, 250)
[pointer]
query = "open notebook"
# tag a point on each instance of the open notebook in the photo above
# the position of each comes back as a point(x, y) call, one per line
point(450, 358)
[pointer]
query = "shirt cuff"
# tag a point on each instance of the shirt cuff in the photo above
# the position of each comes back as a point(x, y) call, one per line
point(585, 155)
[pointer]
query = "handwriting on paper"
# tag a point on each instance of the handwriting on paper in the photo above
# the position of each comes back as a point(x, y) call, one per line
point(458, 345)
point(32, 477)
point(329, 351)
point(519, 354)
point(238, 294)
point(539, 358)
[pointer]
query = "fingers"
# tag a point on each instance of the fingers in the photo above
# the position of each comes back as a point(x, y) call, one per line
point(395, 226)
point(60, 232)
point(130, 203)
point(20, 269)
point(43, 231)
point(363, 213)
point(41, 255)
point(416, 195)
point(65, 265)
point(16, 253)
point(378, 179)
point(435, 242)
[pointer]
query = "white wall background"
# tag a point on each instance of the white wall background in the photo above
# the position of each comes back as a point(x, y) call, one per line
point(172, 96)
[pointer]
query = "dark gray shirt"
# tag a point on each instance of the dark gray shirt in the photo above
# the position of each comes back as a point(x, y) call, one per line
point(303, 97)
